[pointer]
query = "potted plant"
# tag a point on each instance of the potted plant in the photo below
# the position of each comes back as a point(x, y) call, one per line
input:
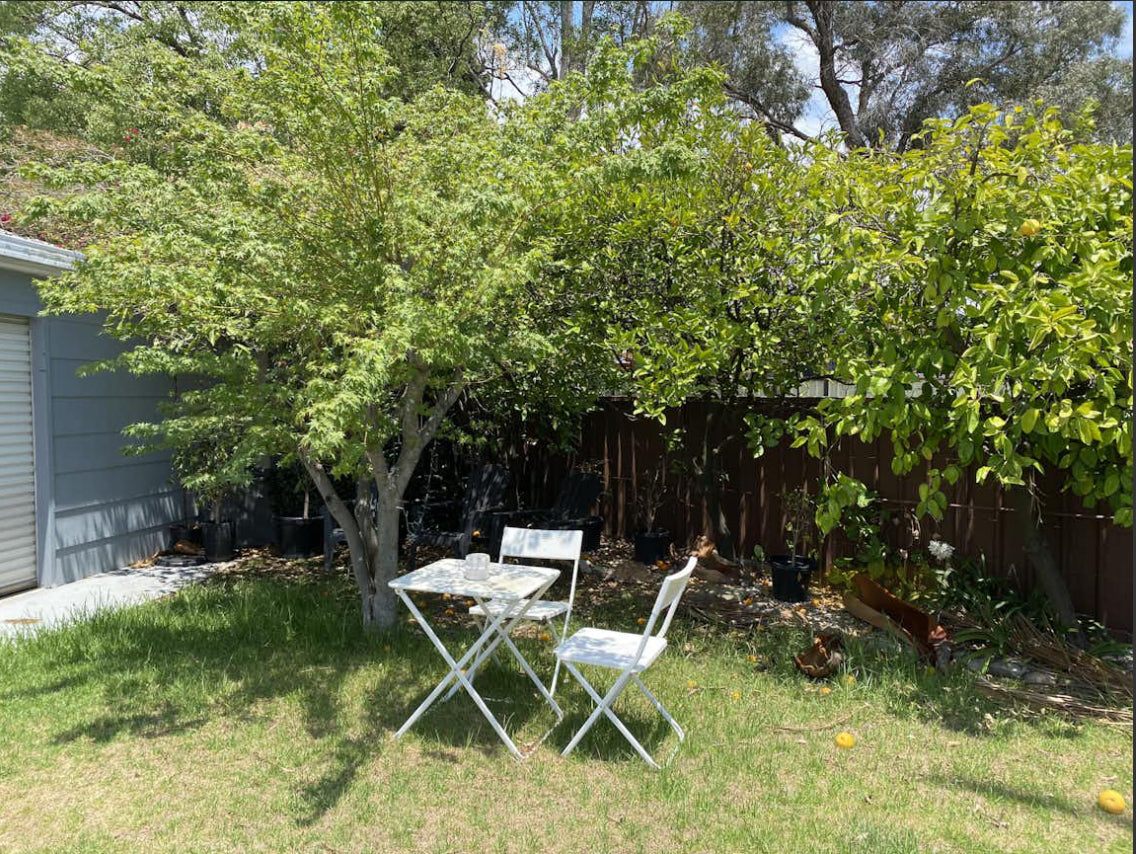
point(791, 572)
point(298, 532)
point(652, 542)
point(186, 534)
point(218, 535)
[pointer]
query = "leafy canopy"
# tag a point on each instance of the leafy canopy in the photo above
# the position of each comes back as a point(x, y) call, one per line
point(314, 251)
point(990, 324)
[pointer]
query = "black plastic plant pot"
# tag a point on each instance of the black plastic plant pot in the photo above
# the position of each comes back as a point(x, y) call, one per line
point(297, 536)
point(591, 526)
point(218, 540)
point(184, 533)
point(652, 546)
point(791, 579)
point(593, 531)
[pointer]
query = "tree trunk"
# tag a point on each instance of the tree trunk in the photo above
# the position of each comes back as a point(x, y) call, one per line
point(567, 40)
point(384, 562)
point(1042, 560)
point(371, 530)
point(824, 37)
point(710, 485)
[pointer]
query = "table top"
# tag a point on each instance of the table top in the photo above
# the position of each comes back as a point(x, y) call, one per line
point(505, 580)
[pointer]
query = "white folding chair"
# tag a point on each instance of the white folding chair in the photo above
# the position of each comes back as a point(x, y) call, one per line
point(630, 654)
point(534, 543)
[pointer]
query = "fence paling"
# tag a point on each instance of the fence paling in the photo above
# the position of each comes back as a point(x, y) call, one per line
point(1094, 555)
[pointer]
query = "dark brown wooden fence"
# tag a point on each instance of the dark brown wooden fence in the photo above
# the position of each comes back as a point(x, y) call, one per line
point(1095, 556)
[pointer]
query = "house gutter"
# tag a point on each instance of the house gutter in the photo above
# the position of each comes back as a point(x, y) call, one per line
point(37, 257)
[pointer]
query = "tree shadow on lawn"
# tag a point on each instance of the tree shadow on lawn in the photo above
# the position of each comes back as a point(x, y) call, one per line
point(1051, 802)
point(222, 650)
point(445, 728)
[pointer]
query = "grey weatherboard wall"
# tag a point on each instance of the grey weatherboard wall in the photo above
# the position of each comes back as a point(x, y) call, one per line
point(96, 508)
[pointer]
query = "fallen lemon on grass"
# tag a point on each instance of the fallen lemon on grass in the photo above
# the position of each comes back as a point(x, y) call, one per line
point(1111, 801)
point(844, 740)
point(826, 690)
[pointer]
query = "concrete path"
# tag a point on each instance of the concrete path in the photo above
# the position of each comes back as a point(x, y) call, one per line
point(44, 607)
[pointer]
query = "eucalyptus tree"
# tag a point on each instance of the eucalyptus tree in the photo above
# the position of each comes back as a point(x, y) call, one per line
point(885, 68)
point(881, 68)
point(337, 266)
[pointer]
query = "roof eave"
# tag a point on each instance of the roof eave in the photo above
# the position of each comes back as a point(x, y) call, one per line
point(34, 256)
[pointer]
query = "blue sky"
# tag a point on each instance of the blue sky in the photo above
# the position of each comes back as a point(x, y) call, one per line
point(1125, 46)
point(818, 115)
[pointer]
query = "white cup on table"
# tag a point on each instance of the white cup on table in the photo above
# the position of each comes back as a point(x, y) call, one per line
point(477, 566)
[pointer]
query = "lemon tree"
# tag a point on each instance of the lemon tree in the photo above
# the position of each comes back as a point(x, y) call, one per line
point(989, 331)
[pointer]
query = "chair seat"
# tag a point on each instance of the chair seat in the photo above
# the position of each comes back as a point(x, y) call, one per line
point(614, 650)
point(540, 612)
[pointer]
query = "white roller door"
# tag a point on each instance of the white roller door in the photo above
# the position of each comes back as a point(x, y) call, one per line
point(17, 458)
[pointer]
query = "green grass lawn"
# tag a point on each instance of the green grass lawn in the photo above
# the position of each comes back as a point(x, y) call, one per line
point(252, 714)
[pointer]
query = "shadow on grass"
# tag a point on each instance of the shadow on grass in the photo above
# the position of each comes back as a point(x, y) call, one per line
point(223, 649)
point(1001, 791)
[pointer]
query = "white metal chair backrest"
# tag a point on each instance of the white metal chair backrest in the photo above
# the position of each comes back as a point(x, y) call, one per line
point(669, 595)
point(545, 545)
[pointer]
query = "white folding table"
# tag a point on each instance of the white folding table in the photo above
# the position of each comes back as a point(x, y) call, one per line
point(505, 582)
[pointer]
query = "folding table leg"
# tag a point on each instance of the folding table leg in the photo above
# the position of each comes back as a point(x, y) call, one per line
point(482, 657)
point(455, 672)
point(508, 641)
point(503, 637)
point(494, 627)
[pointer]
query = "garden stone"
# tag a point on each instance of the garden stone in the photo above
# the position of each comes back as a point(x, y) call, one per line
point(1003, 668)
point(1039, 678)
point(882, 642)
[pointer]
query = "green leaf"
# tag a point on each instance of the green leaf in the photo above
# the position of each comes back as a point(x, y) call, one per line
point(1029, 419)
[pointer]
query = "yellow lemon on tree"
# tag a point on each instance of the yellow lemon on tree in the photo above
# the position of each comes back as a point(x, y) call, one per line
point(844, 740)
point(1029, 228)
point(1111, 801)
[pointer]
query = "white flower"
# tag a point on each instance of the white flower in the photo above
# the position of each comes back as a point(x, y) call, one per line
point(940, 550)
